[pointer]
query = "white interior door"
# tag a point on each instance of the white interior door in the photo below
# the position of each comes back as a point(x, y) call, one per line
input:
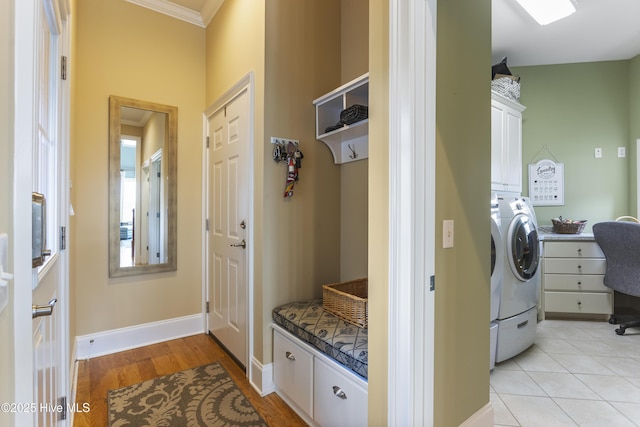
point(228, 201)
point(40, 163)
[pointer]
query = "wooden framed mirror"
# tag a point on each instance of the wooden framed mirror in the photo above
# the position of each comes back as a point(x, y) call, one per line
point(142, 187)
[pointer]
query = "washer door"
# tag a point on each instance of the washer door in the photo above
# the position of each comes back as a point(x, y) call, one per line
point(497, 253)
point(493, 255)
point(524, 247)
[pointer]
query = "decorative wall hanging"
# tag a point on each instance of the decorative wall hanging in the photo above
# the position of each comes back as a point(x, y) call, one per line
point(288, 150)
point(546, 181)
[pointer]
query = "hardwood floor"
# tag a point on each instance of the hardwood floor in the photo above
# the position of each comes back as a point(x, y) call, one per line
point(98, 375)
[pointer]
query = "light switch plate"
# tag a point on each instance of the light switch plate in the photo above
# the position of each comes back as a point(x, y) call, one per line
point(447, 233)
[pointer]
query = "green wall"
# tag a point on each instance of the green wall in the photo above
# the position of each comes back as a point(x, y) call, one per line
point(572, 109)
point(463, 149)
point(634, 131)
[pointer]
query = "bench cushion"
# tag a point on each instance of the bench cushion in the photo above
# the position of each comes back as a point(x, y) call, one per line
point(340, 340)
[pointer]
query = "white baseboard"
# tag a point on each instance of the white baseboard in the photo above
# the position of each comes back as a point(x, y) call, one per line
point(261, 377)
point(481, 418)
point(115, 340)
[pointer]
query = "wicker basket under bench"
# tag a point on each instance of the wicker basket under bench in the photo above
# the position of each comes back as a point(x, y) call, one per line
point(348, 300)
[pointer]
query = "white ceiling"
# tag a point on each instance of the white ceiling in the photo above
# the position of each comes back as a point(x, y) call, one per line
point(599, 30)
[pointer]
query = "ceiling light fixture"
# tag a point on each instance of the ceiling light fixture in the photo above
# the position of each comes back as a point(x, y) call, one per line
point(547, 11)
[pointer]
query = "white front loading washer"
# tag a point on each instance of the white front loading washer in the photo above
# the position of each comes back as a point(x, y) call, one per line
point(497, 257)
point(520, 290)
point(497, 270)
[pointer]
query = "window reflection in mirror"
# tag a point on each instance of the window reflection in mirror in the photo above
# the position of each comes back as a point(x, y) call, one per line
point(142, 187)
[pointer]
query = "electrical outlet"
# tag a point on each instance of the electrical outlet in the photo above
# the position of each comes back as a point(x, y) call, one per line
point(447, 233)
point(622, 151)
point(598, 153)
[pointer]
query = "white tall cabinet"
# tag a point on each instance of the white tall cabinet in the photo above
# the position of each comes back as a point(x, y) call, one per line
point(506, 144)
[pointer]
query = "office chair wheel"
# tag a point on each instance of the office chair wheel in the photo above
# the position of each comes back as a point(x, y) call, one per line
point(613, 320)
point(620, 331)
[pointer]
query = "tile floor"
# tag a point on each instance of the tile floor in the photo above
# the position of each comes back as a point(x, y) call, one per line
point(578, 373)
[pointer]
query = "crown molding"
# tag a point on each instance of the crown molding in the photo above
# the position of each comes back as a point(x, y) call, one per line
point(171, 9)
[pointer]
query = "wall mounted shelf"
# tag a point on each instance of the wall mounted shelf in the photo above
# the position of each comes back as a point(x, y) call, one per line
point(349, 142)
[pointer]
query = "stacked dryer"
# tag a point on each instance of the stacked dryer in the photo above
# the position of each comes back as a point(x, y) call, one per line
point(515, 279)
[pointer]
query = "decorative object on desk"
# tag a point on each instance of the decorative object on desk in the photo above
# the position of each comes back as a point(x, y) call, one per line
point(546, 180)
point(568, 226)
point(348, 300)
point(203, 396)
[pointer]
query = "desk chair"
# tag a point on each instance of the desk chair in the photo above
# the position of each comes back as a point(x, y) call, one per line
point(620, 242)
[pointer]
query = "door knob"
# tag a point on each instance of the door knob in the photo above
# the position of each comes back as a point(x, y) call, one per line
point(242, 244)
point(43, 310)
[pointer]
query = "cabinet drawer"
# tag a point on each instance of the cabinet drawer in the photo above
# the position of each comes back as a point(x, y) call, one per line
point(578, 302)
point(574, 282)
point(586, 249)
point(293, 371)
point(338, 400)
point(575, 265)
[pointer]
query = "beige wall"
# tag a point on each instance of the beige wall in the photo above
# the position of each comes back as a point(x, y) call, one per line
point(125, 50)
point(463, 144)
point(354, 196)
point(6, 185)
point(378, 257)
point(153, 136)
point(298, 240)
point(235, 47)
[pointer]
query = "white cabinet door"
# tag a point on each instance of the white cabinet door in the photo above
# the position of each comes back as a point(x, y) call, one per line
point(293, 372)
point(337, 399)
point(497, 150)
point(513, 150)
point(506, 144)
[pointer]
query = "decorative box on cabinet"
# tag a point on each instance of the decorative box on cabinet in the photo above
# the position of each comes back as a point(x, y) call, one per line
point(319, 389)
point(506, 144)
point(573, 278)
point(349, 142)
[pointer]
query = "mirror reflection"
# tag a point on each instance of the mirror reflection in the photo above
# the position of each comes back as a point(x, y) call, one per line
point(142, 187)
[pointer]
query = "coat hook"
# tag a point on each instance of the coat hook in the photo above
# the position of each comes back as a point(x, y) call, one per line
point(353, 154)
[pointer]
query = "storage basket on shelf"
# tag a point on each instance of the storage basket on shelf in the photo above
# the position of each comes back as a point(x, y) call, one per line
point(568, 226)
point(507, 86)
point(348, 300)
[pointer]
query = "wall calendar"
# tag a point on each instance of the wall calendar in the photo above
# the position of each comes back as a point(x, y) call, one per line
point(546, 183)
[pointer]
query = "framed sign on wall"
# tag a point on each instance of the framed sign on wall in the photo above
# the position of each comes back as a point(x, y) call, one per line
point(546, 183)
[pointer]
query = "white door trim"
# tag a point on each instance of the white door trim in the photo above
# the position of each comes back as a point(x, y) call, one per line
point(246, 83)
point(412, 67)
point(24, 128)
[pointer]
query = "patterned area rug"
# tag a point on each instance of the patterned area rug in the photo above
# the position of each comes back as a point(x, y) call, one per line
point(202, 396)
